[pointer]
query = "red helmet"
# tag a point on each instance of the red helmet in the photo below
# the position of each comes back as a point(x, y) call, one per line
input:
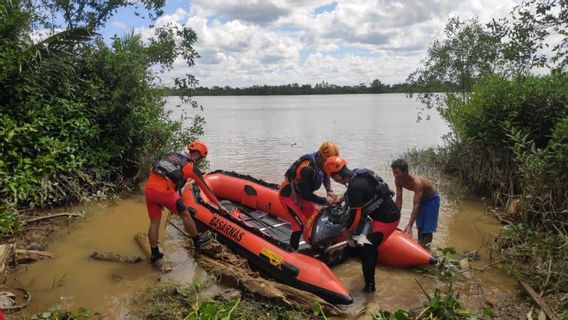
point(333, 165)
point(198, 146)
point(328, 149)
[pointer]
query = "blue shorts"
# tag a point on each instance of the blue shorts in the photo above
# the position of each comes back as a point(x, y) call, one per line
point(427, 219)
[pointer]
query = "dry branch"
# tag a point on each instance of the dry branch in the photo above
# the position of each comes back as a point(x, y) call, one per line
point(28, 256)
point(543, 305)
point(63, 214)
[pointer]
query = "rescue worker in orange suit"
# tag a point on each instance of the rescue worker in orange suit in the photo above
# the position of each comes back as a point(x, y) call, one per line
point(303, 178)
point(162, 190)
point(367, 196)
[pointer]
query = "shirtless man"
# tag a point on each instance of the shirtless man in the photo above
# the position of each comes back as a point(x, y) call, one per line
point(426, 202)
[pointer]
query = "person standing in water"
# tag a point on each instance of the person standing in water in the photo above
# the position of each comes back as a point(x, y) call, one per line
point(425, 204)
point(162, 190)
point(367, 196)
point(303, 178)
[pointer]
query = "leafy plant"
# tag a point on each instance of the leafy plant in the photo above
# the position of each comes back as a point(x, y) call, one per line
point(385, 315)
point(444, 306)
point(55, 313)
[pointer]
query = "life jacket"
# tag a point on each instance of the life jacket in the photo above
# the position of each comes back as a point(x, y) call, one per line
point(292, 175)
point(382, 190)
point(171, 167)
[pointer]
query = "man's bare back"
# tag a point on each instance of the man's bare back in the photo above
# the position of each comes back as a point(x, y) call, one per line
point(426, 201)
point(417, 183)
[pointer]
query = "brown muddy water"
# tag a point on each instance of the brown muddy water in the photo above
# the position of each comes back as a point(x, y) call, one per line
point(72, 279)
point(261, 136)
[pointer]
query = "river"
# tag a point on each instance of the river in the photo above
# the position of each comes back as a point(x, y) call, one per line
point(261, 136)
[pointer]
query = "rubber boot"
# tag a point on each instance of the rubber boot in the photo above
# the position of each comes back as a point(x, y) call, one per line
point(156, 255)
point(200, 239)
point(369, 287)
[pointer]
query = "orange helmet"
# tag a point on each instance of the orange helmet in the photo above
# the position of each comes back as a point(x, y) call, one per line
point(328, 149)
point(198, 146)
point(333, 165)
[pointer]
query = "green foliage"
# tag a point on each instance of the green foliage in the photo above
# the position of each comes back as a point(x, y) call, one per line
point(177, 302)
point(510, 129)
point(9, 221)
point(385, 315)
point(446, 265)
point(510, 137)
point(533, 28)
point(80, 117)
point(445, 306)
point(92, 14)
point(55, 313)
point(467, 53)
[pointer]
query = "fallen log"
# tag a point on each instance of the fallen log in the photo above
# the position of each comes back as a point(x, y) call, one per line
point(64, 214)
point(142, 240)
point(28, 256)
point(115, 257)
point(543, 305)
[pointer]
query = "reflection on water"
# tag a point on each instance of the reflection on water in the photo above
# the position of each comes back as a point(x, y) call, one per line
point(262, 136)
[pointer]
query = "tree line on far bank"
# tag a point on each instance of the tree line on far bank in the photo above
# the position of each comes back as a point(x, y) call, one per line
point(376, 86)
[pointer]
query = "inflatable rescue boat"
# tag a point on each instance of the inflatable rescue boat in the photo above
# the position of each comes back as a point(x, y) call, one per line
point(256, 228)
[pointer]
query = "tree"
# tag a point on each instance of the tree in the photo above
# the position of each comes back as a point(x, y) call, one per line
point(455, 63)
point(531, 28)
point(376, 83)
point(91, 14)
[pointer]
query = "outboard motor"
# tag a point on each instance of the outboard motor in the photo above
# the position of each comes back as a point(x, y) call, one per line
point(326, 226)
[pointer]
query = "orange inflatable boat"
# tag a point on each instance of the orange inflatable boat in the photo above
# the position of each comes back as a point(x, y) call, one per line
point(256, 230)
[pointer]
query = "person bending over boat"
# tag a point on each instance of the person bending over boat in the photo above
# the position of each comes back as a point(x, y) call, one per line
point(302, 179)
point(162, 190)
point(367, 196)
point(425, 205)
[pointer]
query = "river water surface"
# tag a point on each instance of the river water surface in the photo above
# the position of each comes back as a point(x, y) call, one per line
point(261, 136)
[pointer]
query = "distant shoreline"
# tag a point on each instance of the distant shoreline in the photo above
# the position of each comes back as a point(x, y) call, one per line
point(323, 88)
point(289, 94)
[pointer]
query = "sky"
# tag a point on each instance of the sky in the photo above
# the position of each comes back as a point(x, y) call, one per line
point(242, 43)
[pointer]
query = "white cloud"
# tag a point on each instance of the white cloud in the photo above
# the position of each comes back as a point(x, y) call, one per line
point(247, 42)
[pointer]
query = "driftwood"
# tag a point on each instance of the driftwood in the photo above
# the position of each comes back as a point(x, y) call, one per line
point(115, 257)
point(64, 214)
point(28, 256)
point(543, 305)
point(215, 258)
point(142, 240)
point(5, 253)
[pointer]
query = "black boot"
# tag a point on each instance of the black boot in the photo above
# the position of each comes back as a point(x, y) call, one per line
point(200, 239)
point(369, 287)
point(156, 255)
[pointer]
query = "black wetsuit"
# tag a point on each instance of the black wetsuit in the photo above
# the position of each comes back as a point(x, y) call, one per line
point(360, 190)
